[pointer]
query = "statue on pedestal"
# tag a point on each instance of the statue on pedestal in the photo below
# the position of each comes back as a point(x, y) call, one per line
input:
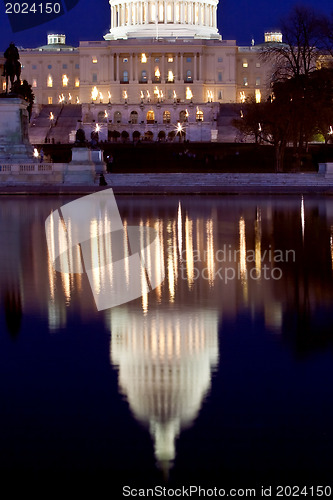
point(12, 67)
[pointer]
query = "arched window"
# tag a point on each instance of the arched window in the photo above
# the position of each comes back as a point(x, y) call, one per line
point(101, 118)
point(183, 116)
point(143, 76)
point(134, 117)
point(125, 77)
point(117, 117)
point(150, 116)
point(199, 116)
point(166, 117)
point(189, 75)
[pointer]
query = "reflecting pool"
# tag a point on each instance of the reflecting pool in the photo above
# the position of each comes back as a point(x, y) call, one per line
point(219, 375)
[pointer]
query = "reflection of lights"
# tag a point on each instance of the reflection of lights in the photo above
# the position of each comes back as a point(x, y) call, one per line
point(210, 252)
point(174, 95)
point(125, 95)
point(180, 233)
point(209, 95)
point(302, 217)
point(69, 96)
point(189, 251)
point(61, 98)
point(101, 97)
point(330, 130)
point(105, 114)
point(241, 114)
point(142, 95)
point(179, 128)
point(148, 95)
point(189, 93)
point(97, 128)
point(257, 233)
point(77, 100)
point(51, 116)
point(186, 113)
point(259, 127)
point(94, 93)
point(242, 256)
point(109, 95)
point(36, 154)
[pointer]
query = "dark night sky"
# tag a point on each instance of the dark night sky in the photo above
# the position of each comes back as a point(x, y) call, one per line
point(238, 20)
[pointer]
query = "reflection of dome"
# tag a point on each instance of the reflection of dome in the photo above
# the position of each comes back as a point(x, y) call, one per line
point(171, 18)
point(165, 361)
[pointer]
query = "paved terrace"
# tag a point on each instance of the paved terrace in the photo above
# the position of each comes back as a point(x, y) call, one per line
point(193, 183)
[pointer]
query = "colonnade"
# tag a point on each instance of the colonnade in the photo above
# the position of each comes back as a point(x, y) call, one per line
point(145, 12)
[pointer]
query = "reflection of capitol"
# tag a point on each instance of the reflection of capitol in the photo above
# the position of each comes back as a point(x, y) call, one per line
point(165, 360)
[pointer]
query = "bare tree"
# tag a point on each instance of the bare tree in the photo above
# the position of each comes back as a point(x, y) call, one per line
point(302, 33)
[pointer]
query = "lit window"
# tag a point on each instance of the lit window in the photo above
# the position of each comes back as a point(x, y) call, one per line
point(49, 81)
point(34, 82)
point(219, 76)
point(189, 94)
point(245, 64)
point(258, 95)
point(3, 85)
point(199, 116)
point(242, 96)
point(65, 80)
point(258, 80)
point(157, 73)
point(258, 65)
point(125, 60)
point(50, 100)
point(94, 60)
point(170, 76)
point(245, 82)
point(77, 82)
point(170, 59)
point(143, 58)
point(166, 117)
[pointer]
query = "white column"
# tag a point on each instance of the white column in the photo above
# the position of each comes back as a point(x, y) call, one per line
point(131, 76)
point(147, 13)
point(111, 59)
point(117, 68)
point(200, 67)
point(163, 76)
point(182, 15)
point(181, 67)
point(165, 12)
point(177, 68)
point(214, 17)
point(195, 76)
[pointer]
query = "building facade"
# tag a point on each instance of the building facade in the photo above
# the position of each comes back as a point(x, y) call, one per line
point(163, 67)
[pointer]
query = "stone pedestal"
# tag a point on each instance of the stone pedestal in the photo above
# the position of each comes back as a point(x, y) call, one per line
point(14, 138)
point(81, 170)
point(97, 158)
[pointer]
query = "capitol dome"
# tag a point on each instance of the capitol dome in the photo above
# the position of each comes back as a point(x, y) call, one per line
point(163, 19)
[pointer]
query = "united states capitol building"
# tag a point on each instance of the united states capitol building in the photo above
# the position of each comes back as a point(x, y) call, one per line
point(163, 68)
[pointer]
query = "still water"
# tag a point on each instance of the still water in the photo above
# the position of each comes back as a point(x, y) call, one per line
point(220, 375)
